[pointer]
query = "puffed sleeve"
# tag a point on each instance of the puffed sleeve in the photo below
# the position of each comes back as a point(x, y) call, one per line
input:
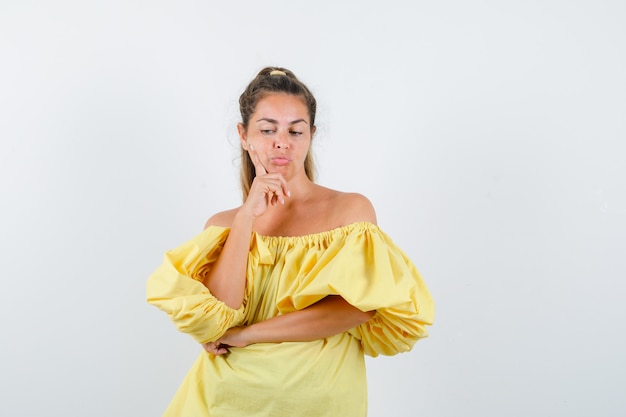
point(370, 272)
point(175, 287)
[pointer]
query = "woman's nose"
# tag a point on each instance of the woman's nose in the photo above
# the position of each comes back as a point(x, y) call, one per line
point(281, 142)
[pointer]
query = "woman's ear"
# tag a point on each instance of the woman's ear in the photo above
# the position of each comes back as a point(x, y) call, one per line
point(313, 130)
point(241, 129)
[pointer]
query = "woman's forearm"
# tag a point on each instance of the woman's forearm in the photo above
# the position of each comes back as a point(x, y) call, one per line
point(227, 278)
point(328, 317)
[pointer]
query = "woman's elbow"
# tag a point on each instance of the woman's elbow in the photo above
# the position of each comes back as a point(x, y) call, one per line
point(361, 317)
point(367, 315)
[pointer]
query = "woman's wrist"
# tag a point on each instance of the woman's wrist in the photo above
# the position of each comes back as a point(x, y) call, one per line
point(248, 335)
point(243, 219)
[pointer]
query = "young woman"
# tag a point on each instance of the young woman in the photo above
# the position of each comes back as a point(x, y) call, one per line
point(290, 290)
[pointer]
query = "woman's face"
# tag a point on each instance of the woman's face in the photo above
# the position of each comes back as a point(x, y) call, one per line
point(280, 133)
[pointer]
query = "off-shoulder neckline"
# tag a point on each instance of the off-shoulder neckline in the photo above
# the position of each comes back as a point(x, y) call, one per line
point(361, 225)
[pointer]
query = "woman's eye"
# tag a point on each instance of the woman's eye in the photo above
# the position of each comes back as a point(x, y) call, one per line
point(267, 131)
point(295, 133)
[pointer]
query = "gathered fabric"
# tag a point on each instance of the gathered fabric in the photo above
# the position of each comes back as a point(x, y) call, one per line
point(358, 262)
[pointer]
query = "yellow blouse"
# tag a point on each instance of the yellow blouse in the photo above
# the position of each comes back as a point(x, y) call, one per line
point(320, 378)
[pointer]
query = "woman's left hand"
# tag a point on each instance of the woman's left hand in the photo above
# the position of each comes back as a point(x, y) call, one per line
point(215, 348)
point(234, 337)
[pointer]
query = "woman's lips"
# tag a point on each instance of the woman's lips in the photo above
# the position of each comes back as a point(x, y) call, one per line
point(280, 160)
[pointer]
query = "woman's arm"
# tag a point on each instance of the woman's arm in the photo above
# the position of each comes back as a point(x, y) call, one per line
point(328, 317)
point(227, 278)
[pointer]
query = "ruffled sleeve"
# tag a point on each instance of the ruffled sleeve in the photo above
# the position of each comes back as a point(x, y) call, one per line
point(370, 272)
point(175, 287)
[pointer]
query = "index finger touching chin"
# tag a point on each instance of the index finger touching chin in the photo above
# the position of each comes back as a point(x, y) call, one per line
point(256, 161)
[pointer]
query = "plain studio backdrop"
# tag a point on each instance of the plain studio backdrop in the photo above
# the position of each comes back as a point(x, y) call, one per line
point(490, 137)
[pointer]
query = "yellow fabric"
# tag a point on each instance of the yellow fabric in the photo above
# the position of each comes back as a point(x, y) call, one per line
point(320, 378)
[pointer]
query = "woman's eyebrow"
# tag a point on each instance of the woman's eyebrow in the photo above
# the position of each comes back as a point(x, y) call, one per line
point(267, 119)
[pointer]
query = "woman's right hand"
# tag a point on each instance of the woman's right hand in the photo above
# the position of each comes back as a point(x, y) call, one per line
point(267, 188)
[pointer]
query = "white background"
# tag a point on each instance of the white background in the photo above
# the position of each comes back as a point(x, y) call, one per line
point(490, 137)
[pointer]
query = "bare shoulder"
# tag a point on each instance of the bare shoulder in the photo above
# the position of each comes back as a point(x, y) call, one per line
point(355, 207)
point(222, 219)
